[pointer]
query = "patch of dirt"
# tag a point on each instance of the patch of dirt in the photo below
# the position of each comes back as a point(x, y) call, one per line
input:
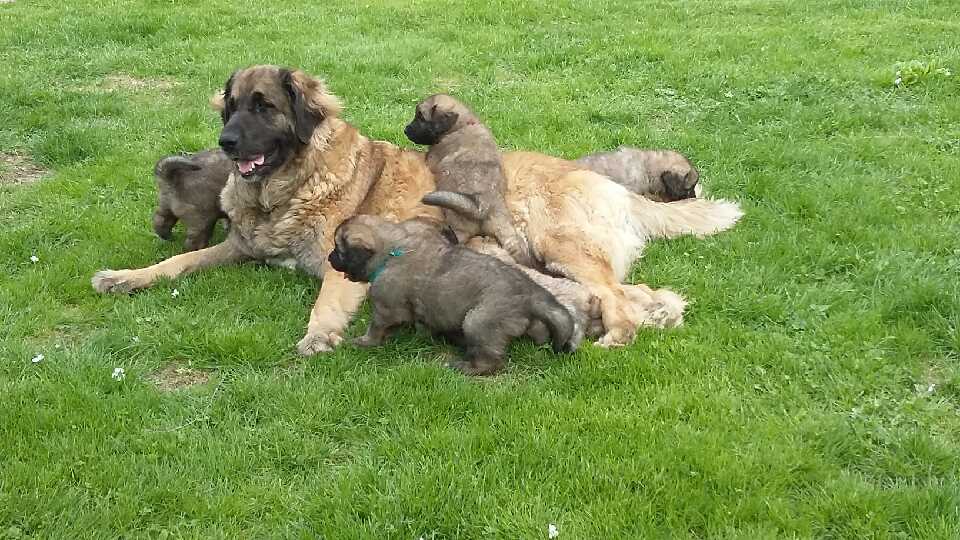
point(19, 169)
point(176, 376)
point(122, 81)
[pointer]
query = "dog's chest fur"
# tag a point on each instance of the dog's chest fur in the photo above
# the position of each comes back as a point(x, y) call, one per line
point(293, 214)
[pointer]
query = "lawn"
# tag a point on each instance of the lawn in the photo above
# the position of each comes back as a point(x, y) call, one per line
point(814, 390)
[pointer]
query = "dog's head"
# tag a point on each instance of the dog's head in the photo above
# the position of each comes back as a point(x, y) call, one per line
point(358, 247)
point(680, 186)
point(269, 113)
point(436, 116)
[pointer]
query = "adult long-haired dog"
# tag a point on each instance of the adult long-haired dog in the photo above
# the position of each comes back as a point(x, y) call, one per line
point(465, 163)
point(417, 275)
point(188, 190)
point(301, 171)
point(661, 175)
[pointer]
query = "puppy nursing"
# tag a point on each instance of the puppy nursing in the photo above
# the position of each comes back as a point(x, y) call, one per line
point(660, 175)
point(418, 275)
point(466, 164)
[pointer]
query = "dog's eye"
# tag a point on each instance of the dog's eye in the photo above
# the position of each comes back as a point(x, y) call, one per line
point(262, 106)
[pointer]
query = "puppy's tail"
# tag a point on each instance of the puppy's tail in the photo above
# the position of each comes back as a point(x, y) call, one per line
point(699, 217)
point(460, 203)
point(563, 329)
point(171, 166)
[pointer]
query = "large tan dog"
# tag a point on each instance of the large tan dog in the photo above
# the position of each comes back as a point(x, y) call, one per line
point(301, 171)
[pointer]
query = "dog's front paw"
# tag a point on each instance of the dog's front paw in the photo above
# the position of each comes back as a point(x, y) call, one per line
point(318, 342)
point(616, 337)
point(115, 281)
point(671, 311)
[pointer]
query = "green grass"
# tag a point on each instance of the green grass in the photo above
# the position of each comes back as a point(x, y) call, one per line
point(813, 392)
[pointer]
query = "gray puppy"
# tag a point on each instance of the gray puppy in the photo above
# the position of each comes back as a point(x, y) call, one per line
point(467, 166)
point(417, 275)
point(660, 175)
point(188, 190)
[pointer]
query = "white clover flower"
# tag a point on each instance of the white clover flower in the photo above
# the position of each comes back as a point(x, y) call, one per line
point(37, 359)
point(175, 293)
point(553, 531)
point(118, 374)
point(34, 259)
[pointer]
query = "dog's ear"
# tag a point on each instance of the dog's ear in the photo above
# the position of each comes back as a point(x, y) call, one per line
point(221, 100)
point(443, 120)
point(217, 102)
point(692, 178)
point(672, 184)
point(680, 187)
point(310, 101)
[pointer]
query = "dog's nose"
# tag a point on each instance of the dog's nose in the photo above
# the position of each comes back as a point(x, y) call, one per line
point(228, 141)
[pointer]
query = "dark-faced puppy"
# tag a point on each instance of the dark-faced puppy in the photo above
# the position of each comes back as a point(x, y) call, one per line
point(268, 116)
point(188, 190)
point(660, 175)
point(417, 275)
point(466, 164)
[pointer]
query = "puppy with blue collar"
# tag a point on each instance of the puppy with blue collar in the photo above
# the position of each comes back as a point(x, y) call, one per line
point(417, 274)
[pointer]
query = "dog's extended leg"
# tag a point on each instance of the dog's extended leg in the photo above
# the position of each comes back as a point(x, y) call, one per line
point(338, 300)
point(125, 281)
point(578, 259)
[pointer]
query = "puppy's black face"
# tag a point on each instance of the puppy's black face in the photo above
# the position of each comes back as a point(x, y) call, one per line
point(429, 125)
point(352, 261)
point(264, 121)
point(680, 187)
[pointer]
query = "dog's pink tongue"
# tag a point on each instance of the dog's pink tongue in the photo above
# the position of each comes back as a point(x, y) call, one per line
point(245, 166)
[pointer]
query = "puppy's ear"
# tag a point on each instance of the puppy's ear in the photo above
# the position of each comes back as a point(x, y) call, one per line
point(692, 178)
point(220, 100)
point(310, 101)
point(680, 187)
point(672, 184)
point(444, 120)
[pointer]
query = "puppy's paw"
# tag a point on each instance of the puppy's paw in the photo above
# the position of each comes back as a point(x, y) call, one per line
point(116, 281)
point(477, 368)
point(318, 342)
point(365, 341)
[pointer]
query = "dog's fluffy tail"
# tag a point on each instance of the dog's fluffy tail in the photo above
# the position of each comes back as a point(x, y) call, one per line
point(699, 217)
point(168, 167)
point(458, 202)
point(563, 331)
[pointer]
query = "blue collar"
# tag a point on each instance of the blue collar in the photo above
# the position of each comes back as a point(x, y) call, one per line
point(395, 252)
